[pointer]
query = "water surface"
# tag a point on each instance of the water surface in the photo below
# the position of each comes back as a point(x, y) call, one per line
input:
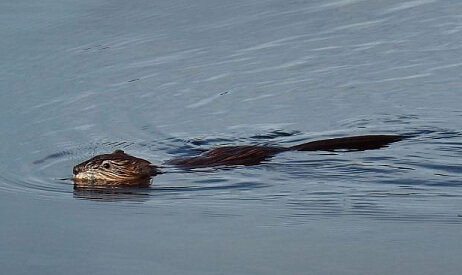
point(166, 79)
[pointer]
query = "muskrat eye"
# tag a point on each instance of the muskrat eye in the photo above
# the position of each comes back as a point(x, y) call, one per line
point(106, 165)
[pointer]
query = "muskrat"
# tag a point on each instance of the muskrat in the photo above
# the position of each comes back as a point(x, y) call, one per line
point(119, 168)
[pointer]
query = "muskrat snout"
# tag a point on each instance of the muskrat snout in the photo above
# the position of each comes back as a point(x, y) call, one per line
point(77, 169)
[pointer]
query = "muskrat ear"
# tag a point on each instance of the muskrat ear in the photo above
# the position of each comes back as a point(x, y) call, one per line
point(118, 151)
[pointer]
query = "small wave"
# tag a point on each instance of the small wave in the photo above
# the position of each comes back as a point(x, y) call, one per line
point(409, 5)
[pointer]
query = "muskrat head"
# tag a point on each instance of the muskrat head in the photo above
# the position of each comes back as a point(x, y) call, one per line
point(114, 167)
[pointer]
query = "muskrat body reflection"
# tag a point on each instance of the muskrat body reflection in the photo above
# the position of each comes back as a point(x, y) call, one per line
point(120, 168)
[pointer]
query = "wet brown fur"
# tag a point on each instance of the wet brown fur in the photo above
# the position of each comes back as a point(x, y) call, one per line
point(137, 168)
point(120, 167)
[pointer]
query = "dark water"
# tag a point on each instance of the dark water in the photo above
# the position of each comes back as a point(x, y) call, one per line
point(162, 79)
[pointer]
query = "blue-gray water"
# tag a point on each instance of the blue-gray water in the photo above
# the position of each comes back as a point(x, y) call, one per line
point(161, 79)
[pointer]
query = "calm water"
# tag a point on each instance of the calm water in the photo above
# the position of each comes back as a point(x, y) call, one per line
point(162, 79)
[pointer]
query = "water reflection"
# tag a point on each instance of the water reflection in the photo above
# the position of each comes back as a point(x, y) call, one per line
point(143, 190)
point(112, 191)
point(108, 194)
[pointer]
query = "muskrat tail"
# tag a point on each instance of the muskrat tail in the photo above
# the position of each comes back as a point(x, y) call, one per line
point(355, 143)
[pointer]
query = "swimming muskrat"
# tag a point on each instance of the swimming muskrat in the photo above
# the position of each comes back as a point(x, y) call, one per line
point(119, 168)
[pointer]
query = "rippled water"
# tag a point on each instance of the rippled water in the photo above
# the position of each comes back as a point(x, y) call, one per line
point(162, 79)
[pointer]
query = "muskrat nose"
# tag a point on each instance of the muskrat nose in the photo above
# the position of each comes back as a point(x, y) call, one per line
point(76, 170)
